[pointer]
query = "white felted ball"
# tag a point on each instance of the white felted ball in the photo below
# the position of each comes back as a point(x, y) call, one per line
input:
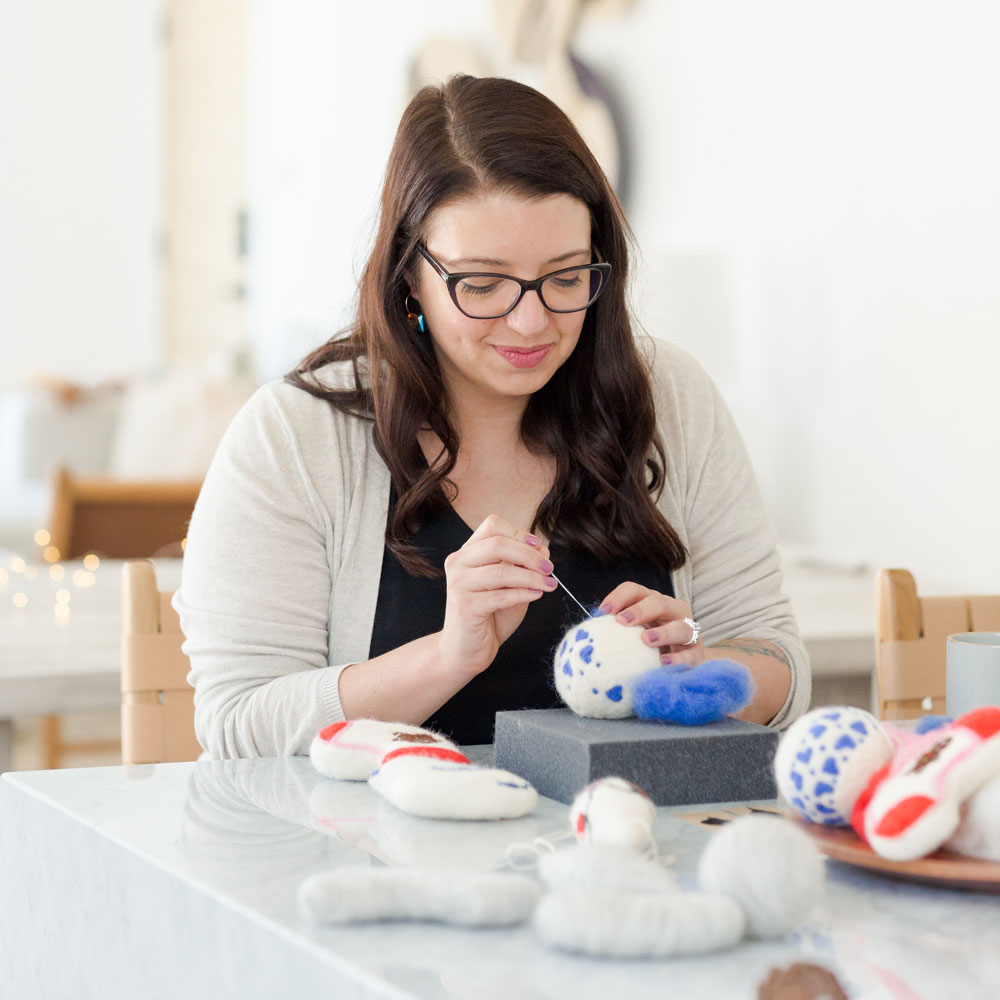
point(825, 759)
point(352, 750)
point(637, 925)
point(604, 867)
point(440, 789)
point(614, 811)
point(767, 865)
point(978, 833)
point(596, 665)
point(451, 896)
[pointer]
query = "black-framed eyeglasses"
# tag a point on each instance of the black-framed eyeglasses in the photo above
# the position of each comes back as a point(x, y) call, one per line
point(484, 295)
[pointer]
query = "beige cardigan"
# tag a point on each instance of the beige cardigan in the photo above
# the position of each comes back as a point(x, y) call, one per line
point(284, 554)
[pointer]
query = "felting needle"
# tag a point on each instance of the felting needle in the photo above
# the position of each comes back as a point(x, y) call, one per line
point(568, 591)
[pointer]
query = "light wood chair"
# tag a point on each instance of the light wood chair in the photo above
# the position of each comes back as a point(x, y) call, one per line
point(910, 642)
point(116, 519)
point(119, 519)
point(157, 701)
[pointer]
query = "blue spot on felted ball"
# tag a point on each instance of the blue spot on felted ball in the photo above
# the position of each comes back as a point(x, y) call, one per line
point(832, 716)
point(830, 766)
point(859, 727)
point(594, 690)
point(822, 788)
point(817, 731)
point(804, 755)
point(581, 634)
point(844, 743)
point(797, 780)
point(562, 648)
point(798, 803)
point(824, 809)
point(587, 652)
point(615, 693)
point(566, 668)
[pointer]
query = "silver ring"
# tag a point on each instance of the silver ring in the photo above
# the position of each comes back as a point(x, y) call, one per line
point(695, 631)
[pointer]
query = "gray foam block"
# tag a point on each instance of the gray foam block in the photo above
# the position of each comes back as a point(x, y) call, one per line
point(560, 753)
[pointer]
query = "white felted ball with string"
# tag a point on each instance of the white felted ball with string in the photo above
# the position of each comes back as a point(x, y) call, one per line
point(770, 867)
point(616, 812)
point(825, 759)
point(596, 664)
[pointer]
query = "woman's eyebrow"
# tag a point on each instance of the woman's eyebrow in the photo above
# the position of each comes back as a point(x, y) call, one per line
point(493, 262)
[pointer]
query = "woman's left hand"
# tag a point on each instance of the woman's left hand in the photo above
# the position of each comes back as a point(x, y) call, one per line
point(661, 619)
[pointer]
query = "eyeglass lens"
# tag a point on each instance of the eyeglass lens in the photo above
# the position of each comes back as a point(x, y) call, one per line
point(484, 297)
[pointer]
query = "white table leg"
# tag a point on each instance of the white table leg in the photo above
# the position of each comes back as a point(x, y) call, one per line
point(6, 743)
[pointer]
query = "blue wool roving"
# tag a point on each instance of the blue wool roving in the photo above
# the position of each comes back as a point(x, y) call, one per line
point(693, 696)
point(929, 722)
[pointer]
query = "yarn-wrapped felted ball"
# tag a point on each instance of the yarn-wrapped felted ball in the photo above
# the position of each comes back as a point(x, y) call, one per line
point(825, 759)
point(767, 865)
point(596, 664)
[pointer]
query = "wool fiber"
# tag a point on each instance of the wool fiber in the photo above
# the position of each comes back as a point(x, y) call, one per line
point(693, 696)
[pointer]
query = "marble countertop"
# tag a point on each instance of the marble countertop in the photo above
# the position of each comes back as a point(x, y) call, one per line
point(180, 880)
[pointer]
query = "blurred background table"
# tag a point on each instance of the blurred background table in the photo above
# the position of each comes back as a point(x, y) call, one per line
point(60, 638)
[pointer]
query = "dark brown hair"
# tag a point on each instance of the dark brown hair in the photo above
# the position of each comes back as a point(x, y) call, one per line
point(595, 415)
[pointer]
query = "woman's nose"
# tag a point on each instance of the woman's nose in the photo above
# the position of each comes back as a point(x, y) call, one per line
point(529, 316)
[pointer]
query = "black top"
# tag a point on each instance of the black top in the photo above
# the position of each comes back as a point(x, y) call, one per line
point(521, 675)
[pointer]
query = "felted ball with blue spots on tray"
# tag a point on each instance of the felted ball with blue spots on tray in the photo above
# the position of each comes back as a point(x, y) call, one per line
point(603, 670)
point(826, 759)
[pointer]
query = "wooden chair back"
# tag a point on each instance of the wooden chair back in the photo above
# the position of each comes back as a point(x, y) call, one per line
point(157, 701)
point(910, 642)
point(117, 518)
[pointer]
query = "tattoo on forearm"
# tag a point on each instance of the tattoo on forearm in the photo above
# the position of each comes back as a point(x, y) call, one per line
point(755, 647)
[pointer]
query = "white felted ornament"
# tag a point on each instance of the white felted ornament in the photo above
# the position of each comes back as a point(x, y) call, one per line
point(978, 833)
point(604, 867)
point(826, 758)
point(352, 750)
point(446, 895)
point(431, 782)
point(596, 665)
point(637, 925)
point(917, 807)
point(614, 811)
point(770, 867)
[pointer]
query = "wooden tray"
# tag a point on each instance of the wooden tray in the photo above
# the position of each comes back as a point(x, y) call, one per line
point(941, 868)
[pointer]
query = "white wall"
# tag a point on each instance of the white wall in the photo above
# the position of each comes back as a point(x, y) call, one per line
point(80, 188)
point(814, 193)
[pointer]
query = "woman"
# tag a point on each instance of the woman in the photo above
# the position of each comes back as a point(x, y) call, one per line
point(377, 535)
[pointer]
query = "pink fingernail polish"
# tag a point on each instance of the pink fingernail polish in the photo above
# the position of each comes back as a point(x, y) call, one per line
point(533, 540)
point(666, 659)
point(605, 608)
point(653, 637)
point(545, 566)
point(626, 616)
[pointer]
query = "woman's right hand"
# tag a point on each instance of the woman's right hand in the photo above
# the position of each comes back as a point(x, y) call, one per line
point(491, 580)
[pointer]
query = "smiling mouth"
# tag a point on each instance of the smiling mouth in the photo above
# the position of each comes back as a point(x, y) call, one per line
point(523, 357)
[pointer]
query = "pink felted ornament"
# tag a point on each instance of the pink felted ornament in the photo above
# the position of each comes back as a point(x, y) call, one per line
point(916, 806)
